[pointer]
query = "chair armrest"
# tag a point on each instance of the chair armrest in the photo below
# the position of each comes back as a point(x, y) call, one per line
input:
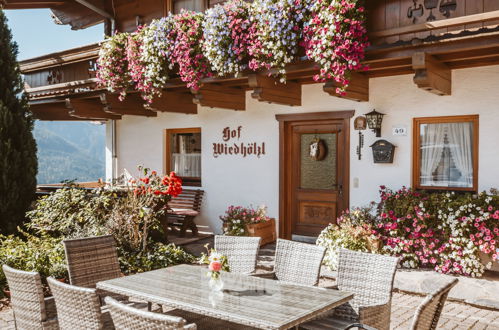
point(268, 275)
point(377, 316)
point(50, 309)
point(360, 326)
point(332, 287)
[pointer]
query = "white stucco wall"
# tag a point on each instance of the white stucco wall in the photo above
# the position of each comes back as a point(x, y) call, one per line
point(243, 181)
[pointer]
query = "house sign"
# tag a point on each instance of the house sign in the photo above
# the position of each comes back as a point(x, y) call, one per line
point(231, 145)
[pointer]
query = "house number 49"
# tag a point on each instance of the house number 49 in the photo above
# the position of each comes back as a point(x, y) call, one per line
point(399, 130)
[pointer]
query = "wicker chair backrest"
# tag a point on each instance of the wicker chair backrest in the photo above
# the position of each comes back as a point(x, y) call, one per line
point(298, 263)
point(428, 312)
point(126, 317)
point(77, 308)
point(26, 297)
point(369, 276)
point(91, 260)
point(241, 252)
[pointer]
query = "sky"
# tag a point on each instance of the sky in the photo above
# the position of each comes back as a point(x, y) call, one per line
point(36, 33)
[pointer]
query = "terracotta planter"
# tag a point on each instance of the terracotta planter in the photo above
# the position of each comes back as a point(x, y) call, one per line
point(265, 230)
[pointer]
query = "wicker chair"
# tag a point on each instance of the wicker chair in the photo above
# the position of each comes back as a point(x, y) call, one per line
point(370, 278)
point(126, 317)
point(241, 252)
point(428, 312)
point(78, 308)
point(296, 263)
point(91, 260)
point(31, 309)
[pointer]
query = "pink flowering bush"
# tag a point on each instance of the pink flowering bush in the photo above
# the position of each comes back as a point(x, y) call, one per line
point(187, 51)
point(112, 65)
point(444, 230)
point(336, 38)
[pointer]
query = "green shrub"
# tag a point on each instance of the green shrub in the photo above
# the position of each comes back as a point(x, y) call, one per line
point(352, 232)
point(158, 255)
point(43, 254)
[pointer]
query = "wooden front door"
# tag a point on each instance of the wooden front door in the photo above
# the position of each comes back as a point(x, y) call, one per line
point(314, 171)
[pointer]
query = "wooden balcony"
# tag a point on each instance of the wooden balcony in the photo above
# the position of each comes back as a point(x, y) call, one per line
point(62, 86)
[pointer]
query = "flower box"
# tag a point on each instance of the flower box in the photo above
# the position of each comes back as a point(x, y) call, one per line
point(265, 230)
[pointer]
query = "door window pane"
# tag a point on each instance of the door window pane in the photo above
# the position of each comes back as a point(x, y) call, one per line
point(446, 151)
point(318, 173)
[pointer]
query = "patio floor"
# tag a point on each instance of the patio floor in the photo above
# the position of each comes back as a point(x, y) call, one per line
point(456, 315)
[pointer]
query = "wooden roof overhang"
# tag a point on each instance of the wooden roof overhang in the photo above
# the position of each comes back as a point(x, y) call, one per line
point(429, 51)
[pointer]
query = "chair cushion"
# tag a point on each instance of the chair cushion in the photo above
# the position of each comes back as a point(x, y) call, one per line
point(187, 212)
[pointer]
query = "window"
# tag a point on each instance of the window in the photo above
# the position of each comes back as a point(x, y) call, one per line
point(183, 154)
point(446, 153)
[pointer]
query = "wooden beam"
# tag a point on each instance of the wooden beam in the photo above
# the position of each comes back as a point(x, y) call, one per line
point(132, 105)
point(268, 89)
point(431, 75)
point(174, 101)
point(357, 90)
point(88, 108)
point(433, 25)
point(217, 96)
point(53, 111)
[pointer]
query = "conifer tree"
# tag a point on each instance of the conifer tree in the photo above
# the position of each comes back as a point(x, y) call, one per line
point(18, 163)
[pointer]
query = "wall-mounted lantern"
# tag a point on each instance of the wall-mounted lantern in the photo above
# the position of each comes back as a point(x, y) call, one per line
point(374, 120)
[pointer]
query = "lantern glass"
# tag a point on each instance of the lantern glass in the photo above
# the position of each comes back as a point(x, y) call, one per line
point(374, 120)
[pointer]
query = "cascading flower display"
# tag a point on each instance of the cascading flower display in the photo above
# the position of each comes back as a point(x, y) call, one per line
point(112, 65)
point(187, 51)
point(444, 231)
point(228, 34)
point(277, 29)
point(155, 53)
point(335, 37)
point(266, 34)
point(133, 57)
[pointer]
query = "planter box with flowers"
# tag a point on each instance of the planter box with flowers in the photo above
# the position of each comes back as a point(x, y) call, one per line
point(247, 221)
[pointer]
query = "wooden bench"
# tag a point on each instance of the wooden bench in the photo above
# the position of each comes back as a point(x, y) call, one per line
point(183, 209)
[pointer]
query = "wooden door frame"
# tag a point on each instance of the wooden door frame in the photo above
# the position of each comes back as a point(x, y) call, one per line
point(285, 166)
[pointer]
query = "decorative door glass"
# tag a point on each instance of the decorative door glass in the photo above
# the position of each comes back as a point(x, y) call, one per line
point(318, 161)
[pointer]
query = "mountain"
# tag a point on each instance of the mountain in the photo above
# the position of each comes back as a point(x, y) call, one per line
point(70, 151)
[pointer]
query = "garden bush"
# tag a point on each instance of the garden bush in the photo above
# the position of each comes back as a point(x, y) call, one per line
point(445, 231)
point(132, 216)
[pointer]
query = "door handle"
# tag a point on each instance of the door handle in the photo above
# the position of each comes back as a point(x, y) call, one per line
point(340, 189)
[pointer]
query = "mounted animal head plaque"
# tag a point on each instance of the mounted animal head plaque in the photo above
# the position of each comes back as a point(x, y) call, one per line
point(383, 151)
point(317, 149)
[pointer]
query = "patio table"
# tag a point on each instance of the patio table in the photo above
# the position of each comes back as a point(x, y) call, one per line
point(247, 300)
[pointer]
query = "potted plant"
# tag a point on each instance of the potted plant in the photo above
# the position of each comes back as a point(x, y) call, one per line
point(248, 221)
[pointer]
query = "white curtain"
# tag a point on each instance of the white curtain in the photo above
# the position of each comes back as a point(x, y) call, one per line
point(432, 145)
point(460, 138)
point(187, 164)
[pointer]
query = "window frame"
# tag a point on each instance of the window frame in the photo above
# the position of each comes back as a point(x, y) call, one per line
point(416, 150)
point(186, 181)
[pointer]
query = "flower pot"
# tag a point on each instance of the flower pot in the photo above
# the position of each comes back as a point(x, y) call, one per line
point(265, 230)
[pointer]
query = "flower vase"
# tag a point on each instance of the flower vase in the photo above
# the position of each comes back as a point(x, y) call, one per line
point(216, 283)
